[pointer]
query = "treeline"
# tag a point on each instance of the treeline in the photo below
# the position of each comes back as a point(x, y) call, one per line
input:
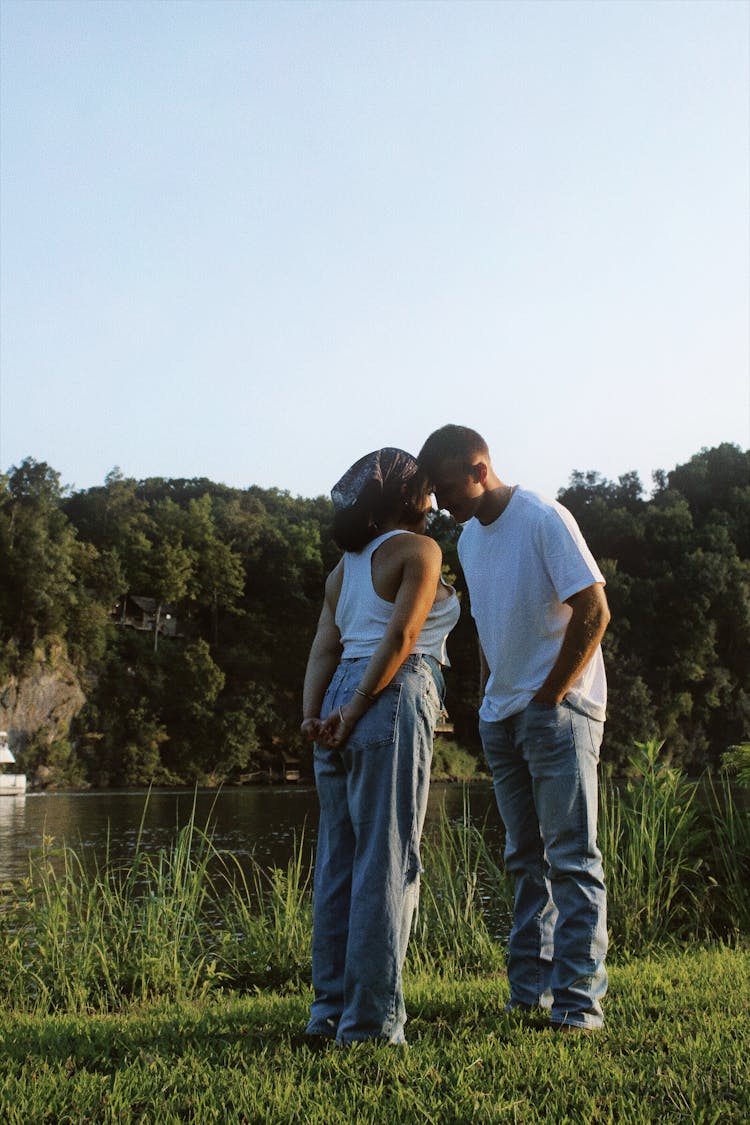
point(186, 609)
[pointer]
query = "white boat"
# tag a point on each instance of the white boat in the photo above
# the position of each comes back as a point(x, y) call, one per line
point(11, 784)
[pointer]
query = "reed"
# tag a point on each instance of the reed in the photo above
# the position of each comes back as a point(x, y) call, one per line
point(187, 920)
point(729, 859)
point(266, 922)
point(653, 848)
point(460, 884)
point(79, 940)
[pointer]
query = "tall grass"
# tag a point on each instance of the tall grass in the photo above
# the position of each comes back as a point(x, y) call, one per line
point(265, 931)
point(676, 856)
point(730, 858)
point(460, 884)
point(186, 920)
point(78, 940)
point(653, 847)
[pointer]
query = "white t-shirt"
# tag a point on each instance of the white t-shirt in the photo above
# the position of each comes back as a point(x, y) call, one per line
point(519, 570)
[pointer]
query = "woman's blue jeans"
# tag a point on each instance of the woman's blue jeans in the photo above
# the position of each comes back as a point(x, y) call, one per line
point(373, 798)
point(544, 769)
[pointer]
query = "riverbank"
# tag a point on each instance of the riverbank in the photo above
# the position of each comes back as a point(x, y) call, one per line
point(450, 762)
point(171, 921)
point(175, 987)
point(675, 1049)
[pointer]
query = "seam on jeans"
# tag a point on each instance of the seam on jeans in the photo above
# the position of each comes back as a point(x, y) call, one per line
point(583, 828)
point(411, 842)
point(595, 753)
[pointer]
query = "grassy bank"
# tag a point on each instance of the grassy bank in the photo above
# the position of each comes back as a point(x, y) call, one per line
point(675, 1049)
point(185, 921)
point(175, 990)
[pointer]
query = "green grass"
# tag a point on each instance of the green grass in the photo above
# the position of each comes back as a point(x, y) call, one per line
point(171, 925)
point(675, 866)
point(675, 1049)
point(185, 921)
point(176, 990)
point(653, 848)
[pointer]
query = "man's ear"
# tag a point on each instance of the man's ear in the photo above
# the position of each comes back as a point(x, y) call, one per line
point(479, 472)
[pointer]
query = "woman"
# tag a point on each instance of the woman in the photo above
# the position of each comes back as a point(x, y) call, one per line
point(373, 693)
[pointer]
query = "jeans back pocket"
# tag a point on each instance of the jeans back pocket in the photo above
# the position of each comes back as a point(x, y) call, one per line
point(377, 727)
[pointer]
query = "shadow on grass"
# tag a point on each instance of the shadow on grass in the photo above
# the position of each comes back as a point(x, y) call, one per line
point(223, 1029)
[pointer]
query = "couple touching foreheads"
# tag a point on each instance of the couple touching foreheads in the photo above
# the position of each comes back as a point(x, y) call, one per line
point(372, 696)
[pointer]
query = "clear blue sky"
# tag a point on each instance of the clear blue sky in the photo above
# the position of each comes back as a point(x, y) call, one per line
point(253, 241)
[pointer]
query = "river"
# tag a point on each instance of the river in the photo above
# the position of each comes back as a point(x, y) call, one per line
point(253, 822)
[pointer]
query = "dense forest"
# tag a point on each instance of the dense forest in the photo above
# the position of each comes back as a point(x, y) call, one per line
point(184, 610)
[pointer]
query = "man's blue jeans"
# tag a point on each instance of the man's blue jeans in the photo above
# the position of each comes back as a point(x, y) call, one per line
point(544, 769)
point(373, 798)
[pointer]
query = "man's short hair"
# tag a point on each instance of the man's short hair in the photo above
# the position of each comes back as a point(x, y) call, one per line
point(450, 444)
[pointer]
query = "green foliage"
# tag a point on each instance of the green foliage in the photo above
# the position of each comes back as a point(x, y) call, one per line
point(736, 761)
point(652, 847)
point(729, 858)
point(678, 583)
point(54, 761)
point(187, 920)
point(241, 572)
point(39, 585)
point(451, 762)
point(142, 737)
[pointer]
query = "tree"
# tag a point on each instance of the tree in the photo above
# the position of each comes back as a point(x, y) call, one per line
point(244, 570)
point(115, 519)
point(38, 571)
point(218, 574)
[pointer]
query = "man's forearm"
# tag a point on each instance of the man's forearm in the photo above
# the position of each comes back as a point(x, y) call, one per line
point(583, 636)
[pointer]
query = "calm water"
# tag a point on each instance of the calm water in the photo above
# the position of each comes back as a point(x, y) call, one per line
point(250, 822)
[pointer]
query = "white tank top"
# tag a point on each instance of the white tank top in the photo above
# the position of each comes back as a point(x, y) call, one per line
point(362, 616)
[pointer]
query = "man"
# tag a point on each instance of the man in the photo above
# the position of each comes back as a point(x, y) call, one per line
point(537, 597)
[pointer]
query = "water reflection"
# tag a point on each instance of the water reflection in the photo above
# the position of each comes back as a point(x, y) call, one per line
point(252, 822)
point(12, 832)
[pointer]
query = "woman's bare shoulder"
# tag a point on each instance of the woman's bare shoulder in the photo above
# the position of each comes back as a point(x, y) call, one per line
point(415, 546)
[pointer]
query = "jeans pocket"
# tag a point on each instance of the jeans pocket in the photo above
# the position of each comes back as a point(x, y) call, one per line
point(542, 715)
point(377, 727)
point(544, 725)
point(548, 737)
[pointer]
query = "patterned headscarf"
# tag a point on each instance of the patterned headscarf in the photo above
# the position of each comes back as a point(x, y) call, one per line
point(381, 467)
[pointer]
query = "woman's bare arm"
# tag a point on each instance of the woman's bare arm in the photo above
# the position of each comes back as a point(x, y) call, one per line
point(414, 599)
point(324, 657)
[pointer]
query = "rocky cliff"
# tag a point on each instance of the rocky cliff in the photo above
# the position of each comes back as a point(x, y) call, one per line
point(43, 700)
